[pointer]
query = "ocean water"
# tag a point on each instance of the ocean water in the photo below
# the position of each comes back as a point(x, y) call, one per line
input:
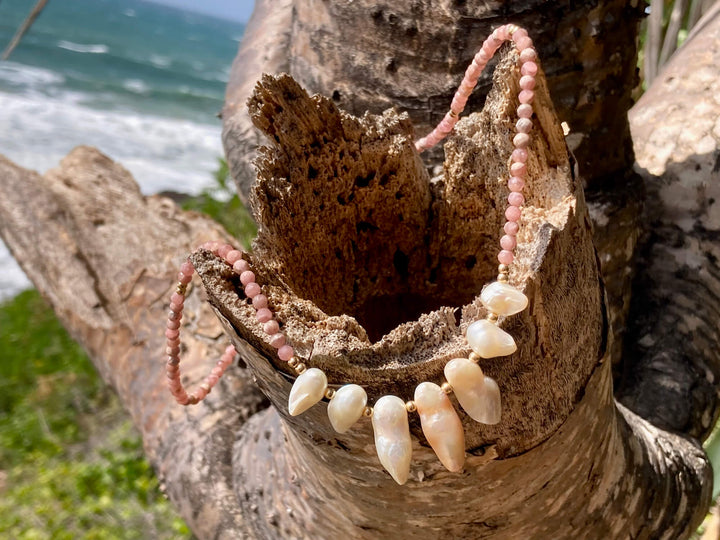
point(140, 81)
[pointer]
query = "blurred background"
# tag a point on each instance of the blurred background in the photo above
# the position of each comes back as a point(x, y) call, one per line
point(143, 82)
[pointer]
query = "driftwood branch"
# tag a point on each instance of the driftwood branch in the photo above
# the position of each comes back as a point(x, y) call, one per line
point(27, 23)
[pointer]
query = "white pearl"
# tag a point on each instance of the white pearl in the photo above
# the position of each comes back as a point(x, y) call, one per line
point(488, 340)
point(346, 407)
point(503, 299)
point(478, 394)
point(392, 437)
point(308, 389)
point(441, 425)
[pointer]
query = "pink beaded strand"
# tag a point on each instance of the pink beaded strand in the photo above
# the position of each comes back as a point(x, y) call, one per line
point(252, 290)
point(521, 140)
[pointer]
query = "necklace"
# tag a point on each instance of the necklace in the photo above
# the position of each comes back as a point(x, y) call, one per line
point(477, 394)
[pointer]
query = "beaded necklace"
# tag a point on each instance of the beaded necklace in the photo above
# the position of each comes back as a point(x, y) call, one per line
point(478, 394)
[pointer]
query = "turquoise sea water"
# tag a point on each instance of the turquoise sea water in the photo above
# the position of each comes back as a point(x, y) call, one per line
point(142, 82)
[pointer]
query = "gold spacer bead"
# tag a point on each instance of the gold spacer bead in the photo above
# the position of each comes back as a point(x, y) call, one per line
point(300, 368)
point(329, 393)
point(453, 114)
point(503, 278)
point(206, 387)
point(503, 269)
point(492, 317)
point(368, 411)
point(512, 28)
point(410, 406)
point(293, 362)
point(474, 357)
point(181, 288)
point(446, 387)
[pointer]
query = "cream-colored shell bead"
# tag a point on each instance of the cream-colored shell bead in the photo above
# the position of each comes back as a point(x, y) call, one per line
point(488, 340)
point(503, 299)
point(308, 389)
point(441, 425)
point(392, 437)
point(346, 407)
point(478, 394)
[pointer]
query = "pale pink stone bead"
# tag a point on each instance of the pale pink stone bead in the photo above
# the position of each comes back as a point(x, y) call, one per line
point(458, 104)
point(529, 68)
point(516, 183)
point(187, 268)
point(444, 126)
point(240, 266)
point(271, 327)
point(489, 47)
point(473, 71)
point(285, 353)
point(206, 245)
point(172, 334)
point(214, 246)
point(173, 342)
point(508, 242)
point(519, 155)
point(506, 257)
point(172, 351)
point(252, 290)
point(277, 340)
point(172, 325)
point(512, 213)
point(212, 380)
point(526, 96)
point(184, 278)
point(174, 315)
point(263, 315)
point(224, 249)
point(516, 199)
point(523, 125)
point(519, 34)
point(217, 371)
point(260, 301)
point(421, 144)
point(177, 298)
point(521, 140)
point(528, 55)
point(518, 169)
point(523, 43)
point(230, 351)
point(466, 87)
point(501, 33)
point(511, 228)
point(527, 82)
point(200, 394)
point(177, 308)
point(525, 110)
point(248, 276)
point(481, 58)
point(233, 256)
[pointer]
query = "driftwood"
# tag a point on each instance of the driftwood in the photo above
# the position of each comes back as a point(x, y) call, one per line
point(373, 268)
point(24, 27)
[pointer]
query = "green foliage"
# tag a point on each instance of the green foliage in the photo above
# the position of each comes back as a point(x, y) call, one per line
point(71, 464)
point(221, 203)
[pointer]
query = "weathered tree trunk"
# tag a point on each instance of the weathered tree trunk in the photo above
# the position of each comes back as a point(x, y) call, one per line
point(373, 268)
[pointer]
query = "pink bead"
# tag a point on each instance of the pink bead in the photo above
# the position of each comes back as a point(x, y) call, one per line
point(271, 327)
point(518, 169)
point(187, 268)
point(260, 301)
point(212, 380)
point(519, 155)
point(172, 351)
point(217, 371)
point(224, 249)
point(519, 34)
point(501, 33)
point(527, 82)
point(521, 140)
point(526, 96)
point(528, 55)
point(523, 43)
point(177, 298)
point(489, 47)
point(184, 278)
point(252, 290)
point(176, 308)
point(511, 228)
point(247, 276)
point(512, 213)
point(481, 58)
point(241, 266)
point(473, 72)
point(508, 242)
point(172, 325)
point(525, 110)
point(516, 199)
point(263, 315)
point(277, 340)
point(233, 256)
point(516, 184)
point(230, 351)
point(285, 353)
point(206, 245)
point(200, 394)
point(173, 342)
point(172, 334)
point(529, 68)
point(214, 246)
point(523, 125)
point(506, 257)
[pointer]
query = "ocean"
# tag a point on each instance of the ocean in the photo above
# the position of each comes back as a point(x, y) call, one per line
point(142, 82)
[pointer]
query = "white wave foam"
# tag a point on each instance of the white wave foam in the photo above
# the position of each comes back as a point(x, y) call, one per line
point(83, 48)
point(160, 61)
point(136, 86)
point(129, 12)
point(27, 76)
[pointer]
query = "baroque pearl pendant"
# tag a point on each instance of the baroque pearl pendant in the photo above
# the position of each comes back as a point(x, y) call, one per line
point(503, 299)
point(441, 425)
point(346, 407)
point(308, 389)
point(478, 394)
point(392, 437)
point(488, 340)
